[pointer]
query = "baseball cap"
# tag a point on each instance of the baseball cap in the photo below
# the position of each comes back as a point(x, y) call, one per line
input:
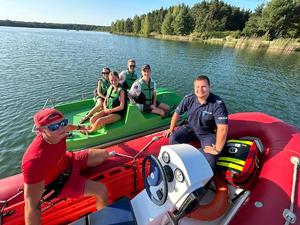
point(46, 116)
point(146, 66)
point(105, 69)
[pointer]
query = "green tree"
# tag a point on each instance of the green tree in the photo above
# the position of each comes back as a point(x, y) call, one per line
point(112, 27)
point(280, 18)
point(237, 19)
point(167, 27)
point(183, 22)
point(158, 18)
point(253, 27)
point(136, 24)
point(128, 26)
point(145, 26)
point(216, 16)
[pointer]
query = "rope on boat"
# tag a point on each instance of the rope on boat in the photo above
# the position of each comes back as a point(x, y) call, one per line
point(288, 214)
point(134, 158)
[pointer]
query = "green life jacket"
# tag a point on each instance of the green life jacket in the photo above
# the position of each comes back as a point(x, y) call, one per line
point(113, 99)
point(147, 90)
point(130, 78)
point(104, 85)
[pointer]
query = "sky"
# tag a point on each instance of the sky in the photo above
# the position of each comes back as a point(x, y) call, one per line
point(94, 12)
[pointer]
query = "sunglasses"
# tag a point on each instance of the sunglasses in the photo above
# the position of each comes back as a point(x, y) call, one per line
point(131, 66)
point(56, 126)
point(105, 73)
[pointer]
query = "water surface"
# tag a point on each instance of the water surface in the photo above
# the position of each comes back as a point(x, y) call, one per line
point(36, 64)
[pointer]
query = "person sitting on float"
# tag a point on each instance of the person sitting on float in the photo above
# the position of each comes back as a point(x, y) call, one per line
point(103, 85)
point(143, 92)
point(113, 106)
point(127, 77)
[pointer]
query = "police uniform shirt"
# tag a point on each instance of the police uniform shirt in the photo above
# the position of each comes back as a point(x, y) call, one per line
point(203, 118)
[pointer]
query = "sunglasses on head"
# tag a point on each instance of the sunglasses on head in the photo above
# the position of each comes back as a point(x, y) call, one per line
point(56, 126)
point(131, 66)
point(105, 73)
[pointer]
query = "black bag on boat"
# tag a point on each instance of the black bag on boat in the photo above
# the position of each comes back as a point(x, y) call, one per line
point(53, 189)
point(239, 161)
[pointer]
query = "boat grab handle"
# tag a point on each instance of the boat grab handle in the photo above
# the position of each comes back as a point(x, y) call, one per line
point(288, 214)
point(155, 138)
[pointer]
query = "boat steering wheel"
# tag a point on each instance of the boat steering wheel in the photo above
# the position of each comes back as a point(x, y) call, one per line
point(157, 180)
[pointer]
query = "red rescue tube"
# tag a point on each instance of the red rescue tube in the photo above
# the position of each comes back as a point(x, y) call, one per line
point(217, 207)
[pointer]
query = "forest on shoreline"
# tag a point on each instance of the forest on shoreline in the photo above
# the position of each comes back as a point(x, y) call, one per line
point(10, 23)
point(272, 26)
point(216, 19)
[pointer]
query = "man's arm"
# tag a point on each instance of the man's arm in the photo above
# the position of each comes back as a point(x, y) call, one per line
point(99, 89)
point(174, 120)
point(122, 77)
point(32, 197)
point(221, 136)
point(154, 100)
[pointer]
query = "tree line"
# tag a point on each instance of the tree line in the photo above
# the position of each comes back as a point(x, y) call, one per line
point(11, 23)
point(206, 19)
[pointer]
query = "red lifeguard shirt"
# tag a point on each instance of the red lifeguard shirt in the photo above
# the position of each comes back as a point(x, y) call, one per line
point(43, 161)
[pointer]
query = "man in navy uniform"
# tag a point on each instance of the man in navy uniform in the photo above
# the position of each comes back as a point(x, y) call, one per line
point(207, 120)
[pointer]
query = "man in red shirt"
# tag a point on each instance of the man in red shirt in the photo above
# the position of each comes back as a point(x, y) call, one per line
point(46, 158)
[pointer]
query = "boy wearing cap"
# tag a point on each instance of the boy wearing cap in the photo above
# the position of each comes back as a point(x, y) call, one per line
point(47, 158)
point(143, 91)
point(127, 77)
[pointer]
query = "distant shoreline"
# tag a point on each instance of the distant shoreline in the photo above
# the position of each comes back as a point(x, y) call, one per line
point(11, 23)
point(283, 45)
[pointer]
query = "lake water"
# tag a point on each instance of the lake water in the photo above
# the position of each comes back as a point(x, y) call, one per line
point(37, 64)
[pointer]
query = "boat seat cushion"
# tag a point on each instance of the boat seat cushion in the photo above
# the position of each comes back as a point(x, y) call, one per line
point(119, 213)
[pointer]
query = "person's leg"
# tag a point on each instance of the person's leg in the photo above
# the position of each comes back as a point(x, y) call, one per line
point(183, 134)
point(208, 140)
point(164, 107)
point(78, 186)
point(96, 156)
point(99, 191)
point(158, 111)
point(97, 116)
point(98, 107)
point(111, 118)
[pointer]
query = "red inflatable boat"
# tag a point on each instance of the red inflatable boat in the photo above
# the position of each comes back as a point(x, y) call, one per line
point(274, 198)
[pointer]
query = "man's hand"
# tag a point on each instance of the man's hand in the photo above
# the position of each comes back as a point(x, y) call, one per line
point(152, 106)
point(168, 133)
point(211, 150)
